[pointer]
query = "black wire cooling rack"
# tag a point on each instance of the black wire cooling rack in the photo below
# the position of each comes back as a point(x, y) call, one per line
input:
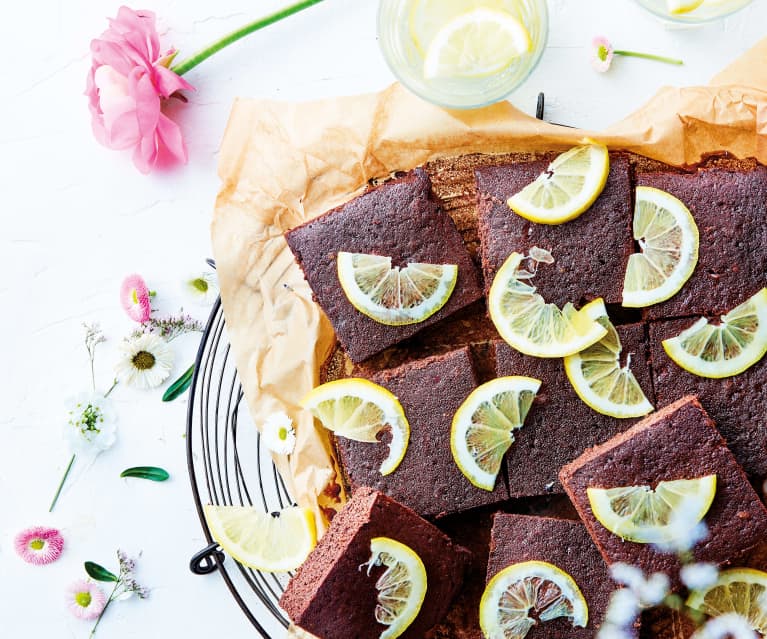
point(228, 466)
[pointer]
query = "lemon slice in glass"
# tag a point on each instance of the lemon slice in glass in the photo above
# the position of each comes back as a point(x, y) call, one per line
point(358, 409)
point(646, 516)
point(530, 586)
point(275, 542)
point(476, 44)
point(532, 326)
point(677, 7)
point(401, 587)
point(725, 349)
point(567, 188)
point(668, 238)
point(739, 590)
point(599, 379)
point(483, 427)
point(392, 295)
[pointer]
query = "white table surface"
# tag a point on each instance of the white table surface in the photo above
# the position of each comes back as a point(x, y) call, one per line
point(77, 218)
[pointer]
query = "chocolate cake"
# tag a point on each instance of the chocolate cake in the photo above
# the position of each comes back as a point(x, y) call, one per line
point(677, 442)
point(399, 219)
point(560, 426)
point(428, 479)
point(729, 207)
point(566, 545)
point(738, 405)
point(333, 597)
point(591, 267)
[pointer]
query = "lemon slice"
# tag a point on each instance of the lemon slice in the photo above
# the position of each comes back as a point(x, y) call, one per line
point(677, 7)
point(269, 542)
point(391, 295)
point(567, 188)
point(725, 349)
point(427, 17)
point(599, 379)
point(476, 44)
point(483, 427)
point(510, 596)
point(401, 587)
point(668, 237)
point(646, 516)
point(358, 409)
point(739, 590)
point(532, 326)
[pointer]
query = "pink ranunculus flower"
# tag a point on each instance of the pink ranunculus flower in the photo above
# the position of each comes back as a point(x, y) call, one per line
point(128, 82)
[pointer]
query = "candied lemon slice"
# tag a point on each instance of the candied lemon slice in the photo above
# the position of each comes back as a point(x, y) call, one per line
point(358, 409)
point(567, 188)
point(599, 379)
point(646, 516)
point(392, 295)
point(725, 349)
point(537, 586)
point(739, 590)
point(532, 326)
point(475, 44)
point(668, 239)
point(678, 7)
point(483, 427)
point(401, 587)
point(269, 542)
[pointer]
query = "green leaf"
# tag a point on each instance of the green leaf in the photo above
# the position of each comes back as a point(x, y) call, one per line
point(179, 386)
point(146, 472)
point(99, 573)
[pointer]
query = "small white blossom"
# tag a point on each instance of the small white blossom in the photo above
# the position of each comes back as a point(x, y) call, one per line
point(699, 576)
point(201, 288)
point(278, 433)
point(91, 425)
point(623, 608)
point(724, 627)
point(648, 591)
point(685, 530)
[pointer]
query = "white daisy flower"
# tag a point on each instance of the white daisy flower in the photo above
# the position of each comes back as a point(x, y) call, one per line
point(146, 361)
point(278, 433)
point(91, 424)
point(201, 288)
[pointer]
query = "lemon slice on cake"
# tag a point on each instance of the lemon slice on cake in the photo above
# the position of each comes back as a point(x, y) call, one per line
point(532, 326)
point(483, 427)
point(476, 44)
point(567, 188)
point(721, 350)
point(668, 238)
point(646, 516)
point(531, 586)
point(392, 295)
point(599, 379)
point(401, 587)
point(275, 542)
point(358, 409)
point(739, 590)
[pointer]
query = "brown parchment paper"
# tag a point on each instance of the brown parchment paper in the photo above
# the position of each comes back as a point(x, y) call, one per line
point(282, 164)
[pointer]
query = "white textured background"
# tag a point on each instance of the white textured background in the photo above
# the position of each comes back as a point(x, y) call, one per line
point(76, 218)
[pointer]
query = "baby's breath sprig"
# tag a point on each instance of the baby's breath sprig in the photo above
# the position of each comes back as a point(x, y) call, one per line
point(170, 327)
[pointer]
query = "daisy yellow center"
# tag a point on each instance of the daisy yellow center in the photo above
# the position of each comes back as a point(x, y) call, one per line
point(37, 544)
point(134, 295)
point(602, 52)
point(83, 599)
point(200, 284)
point(282, 433)
point(143, 360)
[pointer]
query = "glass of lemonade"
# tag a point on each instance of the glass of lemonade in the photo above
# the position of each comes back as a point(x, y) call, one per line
point(462, 53)
point(693, 11)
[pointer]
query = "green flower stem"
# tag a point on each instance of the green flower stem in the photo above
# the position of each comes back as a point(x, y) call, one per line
point(104, 609)
point(111, 388)
point(188, 64)
point(61, 484)
point(648, 56)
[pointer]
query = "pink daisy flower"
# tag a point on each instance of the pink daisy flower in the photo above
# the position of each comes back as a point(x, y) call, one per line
point(601, 53)
point(135, 298)
point(85, 599)
point(39, 545)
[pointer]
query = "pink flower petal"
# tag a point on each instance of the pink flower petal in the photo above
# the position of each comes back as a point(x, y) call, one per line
point(135, 298)
point(601, 54)
point(85, 599)
point(39, 545)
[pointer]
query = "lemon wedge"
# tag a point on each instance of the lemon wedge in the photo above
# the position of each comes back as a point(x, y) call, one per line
point(530, 586)
point(358, 409)
point(722, 350)
point(567, 188)
point(269, 542)
point(532, 326)
point(483, 427)
point(646, 516)
point(475, 44)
